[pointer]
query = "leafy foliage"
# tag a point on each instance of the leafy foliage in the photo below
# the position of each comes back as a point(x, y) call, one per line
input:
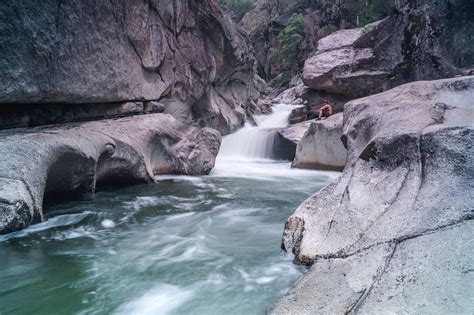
point(238, 7)
point(329, 29)
point(362, 12)
point(290, 38)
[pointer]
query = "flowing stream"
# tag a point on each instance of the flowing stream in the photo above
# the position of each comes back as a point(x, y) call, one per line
point(185, 245)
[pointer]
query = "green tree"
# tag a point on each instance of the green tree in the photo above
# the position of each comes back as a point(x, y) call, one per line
point(238, 7)
point(289, 40)
point(362, 12)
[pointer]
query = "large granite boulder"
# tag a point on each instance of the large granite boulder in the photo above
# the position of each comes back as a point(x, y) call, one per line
point(299, 94)
point(340, 68)
point(422, 40)
point(289, 137)
point(294, 133)
point(68, 160)
point(394, 232)
point(321, 147)
point(187, 54)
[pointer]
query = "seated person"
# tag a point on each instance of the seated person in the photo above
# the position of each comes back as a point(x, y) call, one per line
point(325, 111)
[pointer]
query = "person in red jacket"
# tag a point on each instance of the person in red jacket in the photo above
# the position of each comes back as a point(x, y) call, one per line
point(325, 110)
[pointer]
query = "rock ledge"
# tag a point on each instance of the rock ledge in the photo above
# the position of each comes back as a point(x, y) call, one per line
point(73, 159)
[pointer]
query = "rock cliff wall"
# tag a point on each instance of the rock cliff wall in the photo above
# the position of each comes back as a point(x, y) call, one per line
point(269, 17)
point(421, 40)
point(187, 54)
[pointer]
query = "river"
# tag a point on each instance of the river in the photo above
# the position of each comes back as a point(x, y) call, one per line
point(185, 245)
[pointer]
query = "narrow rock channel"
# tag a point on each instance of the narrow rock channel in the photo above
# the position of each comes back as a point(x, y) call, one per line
point(185, 245)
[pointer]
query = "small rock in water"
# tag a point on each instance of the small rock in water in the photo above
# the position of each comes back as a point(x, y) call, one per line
point(108, 224)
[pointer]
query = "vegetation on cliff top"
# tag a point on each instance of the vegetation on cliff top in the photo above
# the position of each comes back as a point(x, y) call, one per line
point(289, 40)
point(288, 29)
point(238, 8)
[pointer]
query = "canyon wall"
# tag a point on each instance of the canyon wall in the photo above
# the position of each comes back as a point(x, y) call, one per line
point(187, 54)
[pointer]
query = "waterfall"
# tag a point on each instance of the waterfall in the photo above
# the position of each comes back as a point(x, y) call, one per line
point(256, 142)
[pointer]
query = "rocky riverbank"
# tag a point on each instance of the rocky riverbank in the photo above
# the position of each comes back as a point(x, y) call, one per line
point(66, 161)
point(393, 232)
point(70, 62)
point(321, 146)
point(107, 93)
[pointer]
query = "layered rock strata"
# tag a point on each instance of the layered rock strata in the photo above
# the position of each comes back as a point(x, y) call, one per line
point(73, 159)
point(31, 115)
point(393, 233)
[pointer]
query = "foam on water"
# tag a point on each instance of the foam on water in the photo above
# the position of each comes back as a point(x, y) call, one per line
point(255, 142)
point(108, 224)
point(157, 301)
point(145, 201)
point(55, 222)
point(185, 245)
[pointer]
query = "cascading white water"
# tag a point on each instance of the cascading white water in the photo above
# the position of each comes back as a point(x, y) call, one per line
point(256, 142)
point(202, 245)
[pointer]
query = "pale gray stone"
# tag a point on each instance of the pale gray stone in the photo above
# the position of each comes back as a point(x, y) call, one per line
point(72, 159)
point(408, 182)
point(321, 147)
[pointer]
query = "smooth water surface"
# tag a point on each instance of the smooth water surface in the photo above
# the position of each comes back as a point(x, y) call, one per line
point(185, 245)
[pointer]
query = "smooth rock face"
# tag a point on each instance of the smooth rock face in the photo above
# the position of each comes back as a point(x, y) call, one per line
point(288, 138)
point(321, 147)
point(295, 133)
point(421, 41)
point(401, 211)
point(392, 279)
point(69, 160)
point(191, 58)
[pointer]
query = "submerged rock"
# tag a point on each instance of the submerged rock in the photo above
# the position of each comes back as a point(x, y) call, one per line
point(321, 147)
point(68, 160)
point(394, 232)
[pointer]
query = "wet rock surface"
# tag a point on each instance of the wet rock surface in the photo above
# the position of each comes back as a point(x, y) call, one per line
point(185, 54)
point(69, 160)
point(320, 147)
point(393, 232)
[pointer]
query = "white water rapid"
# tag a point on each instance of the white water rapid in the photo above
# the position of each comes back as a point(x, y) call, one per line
point(184, 245)
point(256, 142)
